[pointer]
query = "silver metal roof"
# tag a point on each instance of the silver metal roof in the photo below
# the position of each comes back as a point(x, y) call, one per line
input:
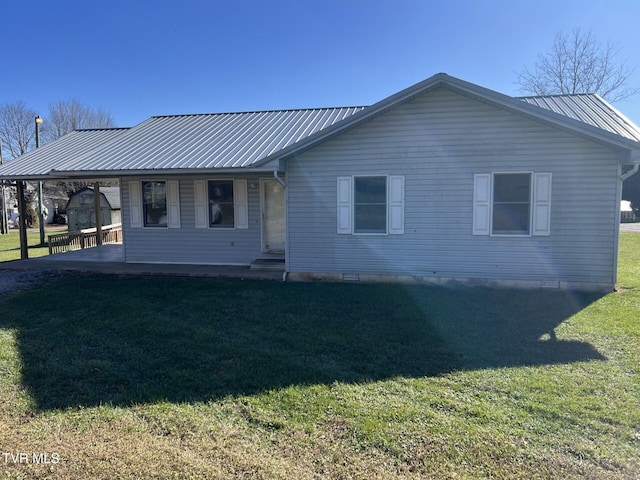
point(230, 141)
point(207, 141)
point(589, 108)
point(39, 162)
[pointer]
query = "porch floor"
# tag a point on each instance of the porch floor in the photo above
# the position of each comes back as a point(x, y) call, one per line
point(110, 259)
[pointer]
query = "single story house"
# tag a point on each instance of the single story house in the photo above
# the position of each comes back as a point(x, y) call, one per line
point(443, 182)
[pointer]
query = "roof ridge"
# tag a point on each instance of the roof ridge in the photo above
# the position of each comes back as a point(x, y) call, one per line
point(272, 110)
point(105, 129)
point(559, 95)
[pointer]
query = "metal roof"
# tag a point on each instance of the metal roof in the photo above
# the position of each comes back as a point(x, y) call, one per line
point(39, 162)
point(589, 108)
point(207, 141)
point(226, 141)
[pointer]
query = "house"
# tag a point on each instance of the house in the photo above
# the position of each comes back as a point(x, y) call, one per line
point(81, 208)
point(443, 182)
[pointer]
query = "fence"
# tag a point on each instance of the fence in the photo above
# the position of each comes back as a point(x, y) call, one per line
point(87, 238)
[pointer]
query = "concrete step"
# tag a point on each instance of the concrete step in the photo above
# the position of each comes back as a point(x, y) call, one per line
point(268, 264)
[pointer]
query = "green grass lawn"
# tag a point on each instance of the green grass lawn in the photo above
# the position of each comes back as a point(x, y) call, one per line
point(193, 378)
point(10, 244)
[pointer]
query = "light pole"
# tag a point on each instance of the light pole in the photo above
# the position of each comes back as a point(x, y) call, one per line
point(40, 207)
point(4, 224)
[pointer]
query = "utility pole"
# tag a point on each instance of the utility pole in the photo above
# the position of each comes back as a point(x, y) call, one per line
point(40, 205)
point(4, 223)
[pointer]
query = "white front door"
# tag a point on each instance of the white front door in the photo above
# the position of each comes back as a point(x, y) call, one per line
point(273, 222)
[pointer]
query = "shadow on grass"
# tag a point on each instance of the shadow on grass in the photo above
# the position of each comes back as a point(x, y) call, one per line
point(89, 340)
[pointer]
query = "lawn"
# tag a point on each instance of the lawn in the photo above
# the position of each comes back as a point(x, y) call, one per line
point(107, 377)
point(10, 244)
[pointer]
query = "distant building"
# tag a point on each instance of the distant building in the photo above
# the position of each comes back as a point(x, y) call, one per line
point(81, 212)
point(626, 212)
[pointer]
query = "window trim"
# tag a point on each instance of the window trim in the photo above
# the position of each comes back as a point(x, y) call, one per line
point(541, 206)
point(240, 203)
point(531, 204)
point(394, 201)
point(142, 204)
point(353, 206)
point(235, 203)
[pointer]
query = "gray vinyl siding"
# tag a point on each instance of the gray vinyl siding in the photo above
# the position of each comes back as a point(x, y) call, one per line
point(190, 245)
point(438, 141)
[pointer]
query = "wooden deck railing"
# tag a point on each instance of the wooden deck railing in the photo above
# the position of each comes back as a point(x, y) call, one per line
point(87, 238)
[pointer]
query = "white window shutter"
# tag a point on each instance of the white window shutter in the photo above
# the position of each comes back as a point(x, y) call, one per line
point(541, 204)
point(482, 204)
point(135, 204)
point(241, 204)
point(344, 205)
point(200, 195)
point(173, 204)
point(396, 204)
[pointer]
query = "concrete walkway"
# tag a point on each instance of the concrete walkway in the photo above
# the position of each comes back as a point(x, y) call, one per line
point(630, 227)
point(110, 259)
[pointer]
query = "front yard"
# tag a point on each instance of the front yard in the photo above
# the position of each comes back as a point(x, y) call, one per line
point(10, 243)
point(106, 377)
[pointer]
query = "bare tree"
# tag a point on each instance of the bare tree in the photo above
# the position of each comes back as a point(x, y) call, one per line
point(66, 116)
point(17, 128)
point(578, 63)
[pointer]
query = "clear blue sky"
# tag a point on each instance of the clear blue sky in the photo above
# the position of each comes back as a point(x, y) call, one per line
point(137, 58)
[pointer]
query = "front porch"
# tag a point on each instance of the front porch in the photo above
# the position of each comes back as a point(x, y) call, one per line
point(110, 259)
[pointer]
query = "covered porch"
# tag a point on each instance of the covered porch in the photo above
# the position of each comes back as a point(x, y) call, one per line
point(110, 259)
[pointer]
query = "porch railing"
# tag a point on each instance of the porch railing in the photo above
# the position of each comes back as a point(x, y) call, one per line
point(87, 238)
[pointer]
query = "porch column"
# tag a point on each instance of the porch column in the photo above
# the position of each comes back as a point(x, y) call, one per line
point(22, 221)
point(96, 206)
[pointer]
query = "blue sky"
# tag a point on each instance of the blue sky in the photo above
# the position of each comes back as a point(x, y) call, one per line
point(139, 58)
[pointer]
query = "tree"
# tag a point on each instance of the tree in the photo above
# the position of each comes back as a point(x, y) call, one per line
point(17, 129)
point(66, 116)
point(579, 63)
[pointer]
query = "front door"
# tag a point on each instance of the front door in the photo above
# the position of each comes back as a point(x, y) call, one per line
point(273, 222)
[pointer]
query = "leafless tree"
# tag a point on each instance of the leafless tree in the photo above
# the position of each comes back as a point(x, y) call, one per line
point(579, 63)
point(17, 129)
point(66, 116)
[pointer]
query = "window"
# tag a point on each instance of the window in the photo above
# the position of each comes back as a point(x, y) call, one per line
point(370, 205)
point(221, 205)
point(511, 204)
point(516, 204)
point(154, 203)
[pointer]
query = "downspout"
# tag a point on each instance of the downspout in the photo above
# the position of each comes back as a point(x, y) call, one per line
point(631, 172)
point(280, 180)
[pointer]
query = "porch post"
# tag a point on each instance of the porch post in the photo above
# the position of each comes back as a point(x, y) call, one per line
point(4, 223)
point(96, 206)
point(22, 221)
